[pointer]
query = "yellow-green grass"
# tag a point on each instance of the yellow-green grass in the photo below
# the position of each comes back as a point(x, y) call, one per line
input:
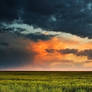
point(45, 81)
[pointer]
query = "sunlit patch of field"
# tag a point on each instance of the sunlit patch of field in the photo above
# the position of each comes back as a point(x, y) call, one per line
point(45, 81)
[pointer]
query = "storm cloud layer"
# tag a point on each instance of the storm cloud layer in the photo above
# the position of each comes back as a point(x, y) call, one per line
point(13, 51)
point(62, 15)
point(45, 34)
point(87, 52)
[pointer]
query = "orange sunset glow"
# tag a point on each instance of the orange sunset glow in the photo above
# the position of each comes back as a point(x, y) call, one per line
point(48, 53)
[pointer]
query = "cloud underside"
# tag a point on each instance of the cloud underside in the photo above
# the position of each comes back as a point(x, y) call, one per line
point(86, 52)
point(68, 16)
point(61, 51)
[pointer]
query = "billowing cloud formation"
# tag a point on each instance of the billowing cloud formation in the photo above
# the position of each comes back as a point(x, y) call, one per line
point(22, 29)
point(63, 15)
point(29, 48)
point(45, 34)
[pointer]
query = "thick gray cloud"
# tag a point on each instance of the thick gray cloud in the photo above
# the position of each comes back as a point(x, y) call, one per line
point(50, 50)
point(8, 9)
point(68, 51)
point(37, 37)
point(14, 57)
point(72, 16)
point(3, 44)
point(13, 52)
point(63, 51)
point(86, 52)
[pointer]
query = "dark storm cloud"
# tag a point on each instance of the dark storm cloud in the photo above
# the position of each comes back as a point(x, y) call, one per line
point(4, 44)
point(37, 37)
point(14, 57)
point(28, 31)
point(50, 50)
point(72, 16)
point(68, 51)
point(8, 9)
point(63, 51)
point(13, 52)
point(65, 15)
point(86, 52)
point(40, 7)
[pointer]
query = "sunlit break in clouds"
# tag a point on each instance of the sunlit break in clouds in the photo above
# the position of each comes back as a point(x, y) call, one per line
point(62, 52)
point(46, 36)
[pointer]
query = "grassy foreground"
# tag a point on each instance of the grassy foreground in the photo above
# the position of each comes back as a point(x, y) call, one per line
point(45, 81)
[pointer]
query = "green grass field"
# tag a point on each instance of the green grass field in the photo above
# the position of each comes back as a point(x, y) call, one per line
point(45, 81)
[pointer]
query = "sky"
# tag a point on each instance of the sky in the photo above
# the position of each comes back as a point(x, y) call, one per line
point(46, 35)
